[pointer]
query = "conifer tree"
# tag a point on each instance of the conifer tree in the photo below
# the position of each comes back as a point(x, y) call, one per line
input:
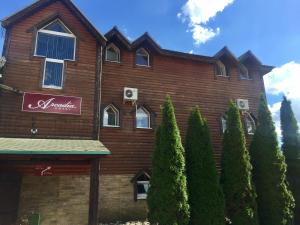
point(167, 197)
point(291, 150)
point(206, 199)
point(236, 178)
point(275, 201)
point(290, 131)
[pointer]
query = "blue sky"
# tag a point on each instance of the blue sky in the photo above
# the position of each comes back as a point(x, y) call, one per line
point(269, 28)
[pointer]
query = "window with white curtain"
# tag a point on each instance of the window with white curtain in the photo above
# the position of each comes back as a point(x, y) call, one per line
point(142, 188)
point(142, 118)
point(56, 43)
point(250, 125)
point(111, 116)
point(223, 124)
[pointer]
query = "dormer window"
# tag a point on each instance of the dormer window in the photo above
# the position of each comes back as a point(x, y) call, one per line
point(112, 53)
point(244, 74)
point(142, 57)
point(111, 116)
point(221, 69)
point(56, 43)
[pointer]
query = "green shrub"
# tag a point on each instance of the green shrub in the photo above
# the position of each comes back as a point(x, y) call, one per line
point(291, 150)
point(275, 201)
point(167, 197)
point(240, 196)
point(206, 199)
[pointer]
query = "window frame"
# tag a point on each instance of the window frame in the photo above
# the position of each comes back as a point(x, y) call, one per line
point(117, 50)
point(149, 118)
point(223, 119)
point(117, 113)
point(142, 196)
point(224, 68)
point(252, 120)
point(62, 75)
point(146, 53)
point(42, 30)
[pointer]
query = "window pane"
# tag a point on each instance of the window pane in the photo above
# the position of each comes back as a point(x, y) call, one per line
point(55, 47)
point(141, 60)
point(142, 119)
point(250, 126)
point(53, 74)
point(224, 124)
point(57, 26)
point(110, 117)
point(143, 187)
point(112, 55)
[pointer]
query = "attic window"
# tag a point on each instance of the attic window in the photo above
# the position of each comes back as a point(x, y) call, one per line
point(142, 57)
point(112, 53)
point(244, 75)
point(141, 184)
point(221, 69)
point(56, 43)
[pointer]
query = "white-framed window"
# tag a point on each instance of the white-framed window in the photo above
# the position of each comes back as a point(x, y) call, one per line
point(111, 116)
point(142, 188)
point(244, 74)
point(56, 43)
point(223, 122)
point(142, 57)
point(112, 53)
point(250, 124)
point(141, 185)
point(221, 69)
point(142, 118)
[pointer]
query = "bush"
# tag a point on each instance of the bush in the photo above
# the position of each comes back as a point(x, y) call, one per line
point(236, 173)
point(275, 201)
point(291, 150)
point(167, 197)
point(205, 195)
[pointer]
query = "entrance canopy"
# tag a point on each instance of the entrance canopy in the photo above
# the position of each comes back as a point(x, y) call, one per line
point(27, 146)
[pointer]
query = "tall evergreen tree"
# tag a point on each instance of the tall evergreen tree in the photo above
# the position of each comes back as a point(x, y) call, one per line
point(291, 150)
point(205, 195)
point(167, 197)
point(290, 131)
point(275, 201)
point(236, 178)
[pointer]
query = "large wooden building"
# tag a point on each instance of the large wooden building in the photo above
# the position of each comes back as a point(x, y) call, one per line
point(72, 98)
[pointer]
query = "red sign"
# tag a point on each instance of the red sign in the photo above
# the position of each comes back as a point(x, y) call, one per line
point(51, 104)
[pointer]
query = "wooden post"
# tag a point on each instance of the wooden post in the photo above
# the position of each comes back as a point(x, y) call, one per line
point(94, 192)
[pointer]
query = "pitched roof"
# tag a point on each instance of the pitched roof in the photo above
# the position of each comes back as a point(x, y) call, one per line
point(29, 10)
point(249, 55)
point(115, 32)
point(226, 52)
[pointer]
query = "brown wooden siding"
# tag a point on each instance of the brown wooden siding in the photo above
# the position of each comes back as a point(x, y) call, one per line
point(24, 72)
point(189, 83)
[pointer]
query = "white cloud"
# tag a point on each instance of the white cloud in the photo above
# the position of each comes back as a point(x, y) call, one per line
point(284, 80)
point(191, 51)
point(198, 13)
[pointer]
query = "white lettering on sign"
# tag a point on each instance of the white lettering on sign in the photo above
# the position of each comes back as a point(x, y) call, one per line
point(41, 104)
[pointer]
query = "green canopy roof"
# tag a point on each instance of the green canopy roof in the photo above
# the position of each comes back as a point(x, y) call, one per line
point(27, 146)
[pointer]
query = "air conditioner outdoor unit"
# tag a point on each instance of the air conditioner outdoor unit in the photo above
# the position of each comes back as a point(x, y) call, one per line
point(242, 104)
point(130, 94)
